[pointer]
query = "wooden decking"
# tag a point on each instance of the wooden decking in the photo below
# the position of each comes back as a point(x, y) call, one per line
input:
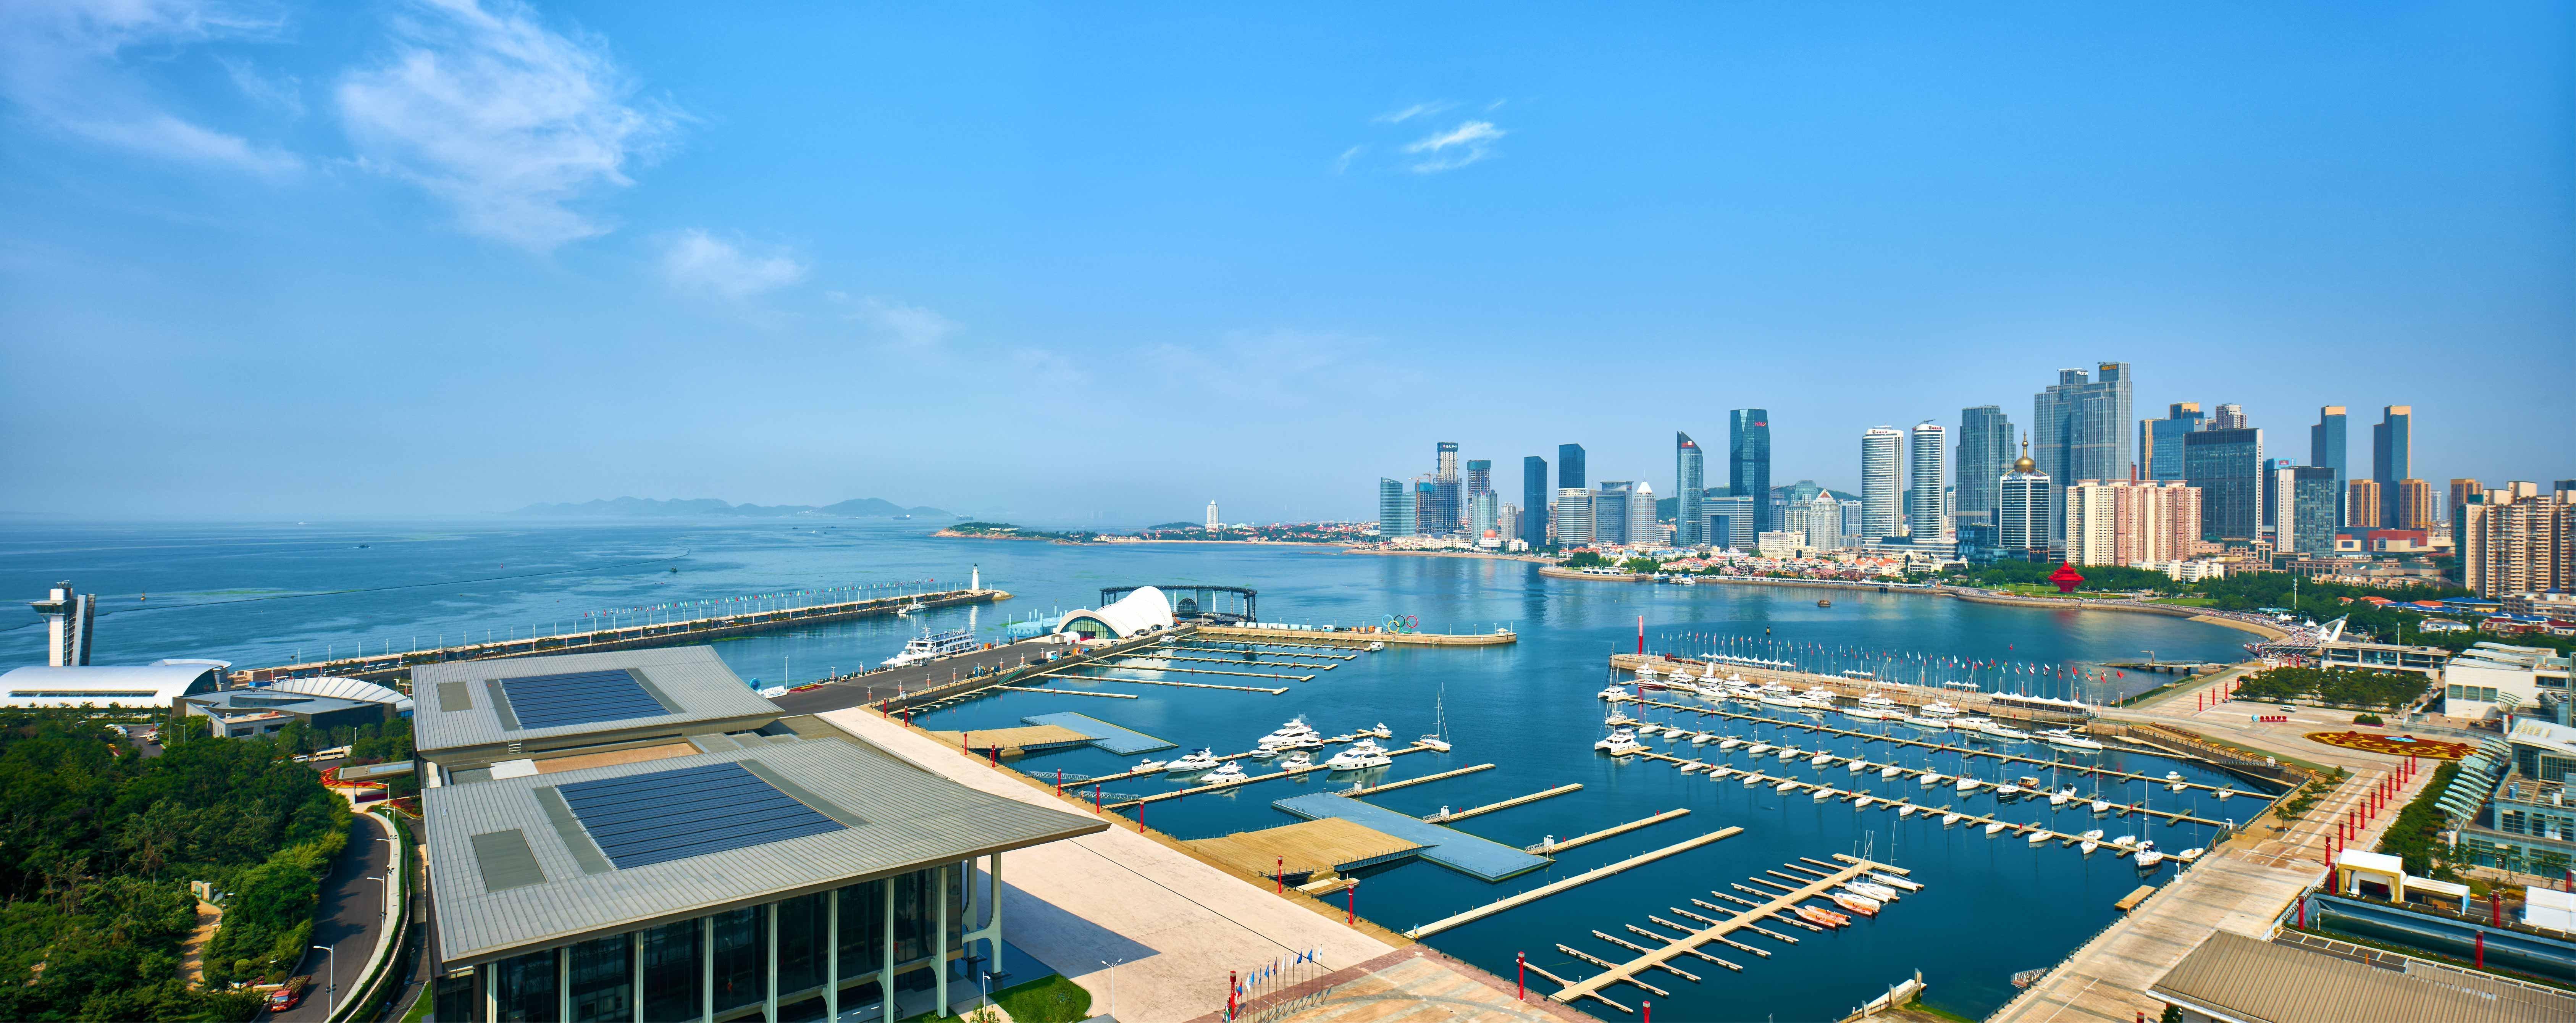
point(1328, 844)
point(1023, 737)
point(1690, 944)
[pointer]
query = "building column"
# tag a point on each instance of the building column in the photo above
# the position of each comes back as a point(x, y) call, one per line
point(885, 974)
point(563, 982)
point(635, 979)
point(832, 968)
point(939, 946)
point(707, 968)
point(769, 1005)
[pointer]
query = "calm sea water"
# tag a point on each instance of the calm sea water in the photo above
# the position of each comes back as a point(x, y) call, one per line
point(268, 594)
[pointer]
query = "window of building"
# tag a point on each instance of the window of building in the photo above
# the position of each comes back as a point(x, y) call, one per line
point(740, 947)
point(804, 943)
point(603, 979)
point(674, 973)
point(862, 928)
point(460, 997)
point(911, 916)
point(523, 989)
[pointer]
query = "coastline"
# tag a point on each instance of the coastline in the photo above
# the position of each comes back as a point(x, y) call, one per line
point(1531, 558)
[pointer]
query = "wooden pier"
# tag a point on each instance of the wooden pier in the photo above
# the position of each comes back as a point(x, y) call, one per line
point(1449, 816)
point(1295, 851)
point(1555, 846)
point(1106, 666)
point(1577, 881)
point(1690, 943)
point(1370, 790)
point(1223, 785)
point(1248, 649)
point(1066, 692)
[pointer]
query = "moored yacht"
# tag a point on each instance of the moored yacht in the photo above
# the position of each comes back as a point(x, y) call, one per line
point(1357, 759)
point(1623, 740)
point(1202, 760)
point(2069, 740)
point(931, 646)
point(1227, 772)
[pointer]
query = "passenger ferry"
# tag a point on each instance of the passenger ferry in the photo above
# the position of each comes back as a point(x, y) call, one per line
point(931, 646)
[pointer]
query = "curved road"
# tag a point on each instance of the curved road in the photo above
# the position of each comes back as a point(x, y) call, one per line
point(349, 915)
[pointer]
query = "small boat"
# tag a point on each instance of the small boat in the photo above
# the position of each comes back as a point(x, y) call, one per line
point(1875, 892)
point(1438, 737)
point(1931, 778)
point(1620, 737)
point(1719, 772)
point(2173, 776)
point(1825, 602)
point(1151, 765)
point(1751, 779)
point(1855, 765)
point(2149, 859)
point(2126, 841)
point(1375, 647)
point(1356, 759)
point(1821, 759)
point(1819, 695)
point(1906, 811)
point(1868, 714)
point(1862, 803)
point(1864, 907)
point(2176, 787)
point(1203, 760)
point(1367, 746)
point(2005, 732)
point(2007, 790)
point(2092, 837)
point(1877, 702)
point(1648, 730)
point(1612, 693)
point(1693, 767)
point(1785, 786)
point(1776, 700)
point(2063, 797)
point(1701, 738)
point(2069, 740)
point(2226, 793)
point(1894, 881)
point(2190, 855)
point(1994, 829)
point(1790, 753)
point(1231, 772)
point(1298, 761)
point(1890, 771)
point(1814, 916)
point(2101, 806)
point(1950, 818)
point(1941, 708)
point(2039, 838)
point(1381, 731)
point(1968, 784)
point(1824, 793)
point(1759, 748)
point(1730, 743)
point(2088, 846)
point(1925, 723)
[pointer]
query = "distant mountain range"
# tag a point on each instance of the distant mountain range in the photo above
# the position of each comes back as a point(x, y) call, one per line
point(708, 507)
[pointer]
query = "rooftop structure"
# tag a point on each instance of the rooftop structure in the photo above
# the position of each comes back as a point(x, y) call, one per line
point(2246, 980)
point(237, 713)
point(1145, 610)
point(145, 685)
point(475, 713)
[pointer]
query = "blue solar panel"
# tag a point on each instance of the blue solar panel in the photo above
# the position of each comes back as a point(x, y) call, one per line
point(579, 698)
point(643, 819)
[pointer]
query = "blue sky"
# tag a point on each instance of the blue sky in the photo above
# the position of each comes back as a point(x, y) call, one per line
point(427, 256)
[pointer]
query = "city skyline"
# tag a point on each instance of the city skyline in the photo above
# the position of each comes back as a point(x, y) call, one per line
point(253, 270)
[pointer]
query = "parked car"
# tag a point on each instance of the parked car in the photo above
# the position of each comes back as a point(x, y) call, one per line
point(289, 994)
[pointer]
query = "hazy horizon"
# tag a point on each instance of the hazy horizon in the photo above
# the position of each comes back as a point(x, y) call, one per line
point(270, 260)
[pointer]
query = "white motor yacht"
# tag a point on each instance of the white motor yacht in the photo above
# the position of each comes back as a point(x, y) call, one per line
point(1771, 699)
point(2005, 732)
point(1877, 702)
point(2069, 740)
point(1941, 709)
point(1355, 759)
point(1375, 647)
point(1368, 746)
point(1971, 723)
point(1728, 743)
point(1869, 714)
point(1203, 760)
point(1745, 697)
point(1297, 761)
point(1381, 731)
point(1229, 772)
point(1820, 695)
point(1150, 765)
point(1622, 737)
point(1926, 723)
point(1612, 693)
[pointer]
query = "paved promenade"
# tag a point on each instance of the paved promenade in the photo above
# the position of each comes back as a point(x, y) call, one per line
point(1176, 924)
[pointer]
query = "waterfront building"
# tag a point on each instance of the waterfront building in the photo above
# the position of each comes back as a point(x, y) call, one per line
point(1426, 509)
point(1480, 477)
point(1573, 517)
point(1212, 521)
point(2326, 448)
point(773, 870)
point(1569, 467)
point(2415, 509)
point(2509, 543)
point(1690, 478)
point(2361, 504)
point(1484, 514)
point(1446, 464)
point(1778, 544)
point(1823, 521)
point(1729, 520)
point(1610, 511)
point(106, 685)
point(1748, 460)
point(2489, 679)
point(1394, 508)
point(2227, 467)
point(1928, 515)
point(2131, 522)
point(69, 617)
point(319, 703)
point(2304, 518)
point(2392, 456)
point(1507, 522)
point(1985, 455)
point(1534, 499)
point(2229, 416)
point(2160, 440)
point(1879, 470)
point(1644, 529)
point(2080, 430)
point(2022, 509)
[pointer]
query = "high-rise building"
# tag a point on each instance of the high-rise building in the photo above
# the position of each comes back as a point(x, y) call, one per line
point(2461, 491)
point(1480, 477)
point(1569, 467)
point(1483, 514)
point(2361, 505)
point(2415, 508)
point(2160, 440)
point(1573, 516)
point(2080, 430)
point(1509, 525)
point(1879, 484)
point(2230, 416)
point(1928, 518)
point(69, 618)
point(2271, 498)
point(1610, 511)
point(1690, 477)
point(2022, 509)
point(1643, 529)
point(1212, 520)
point(2392, 455)
point(1448, 467)
point(2227, 466)
point(1823, 521)
point(2326, 449)
point(1748, 462)
point(2510, 543)
point(1447, 513)
point(2131, 522)
point(1426, 509)
point(1534, 500)
point(1728, 521)
point(1985, 455)
point(2303, 521)
point(1394, 508)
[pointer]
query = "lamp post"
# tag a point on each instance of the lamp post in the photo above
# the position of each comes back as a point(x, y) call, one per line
point(1113, 986)
point(330, 981)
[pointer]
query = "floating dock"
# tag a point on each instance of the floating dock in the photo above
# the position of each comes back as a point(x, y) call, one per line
point(1297, 851)
point(1343, 639)
point(1121, 741)
point(1555, 846)
point(1032, 737)
point(1587, 877)
point(1446, 816)
point(1481, 858)
point(1070, 673)
point(1692, 942)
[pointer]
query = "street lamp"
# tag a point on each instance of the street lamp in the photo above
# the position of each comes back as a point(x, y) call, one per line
point(1113, 986)
point(330, 981)
point(380, 896)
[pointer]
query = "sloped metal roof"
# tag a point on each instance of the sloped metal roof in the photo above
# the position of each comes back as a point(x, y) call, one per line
point(455, 704)
point(2266, 982)
point(905, 818)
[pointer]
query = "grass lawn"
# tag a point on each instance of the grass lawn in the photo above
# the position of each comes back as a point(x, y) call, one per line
point(2249, 750)
point(2185, 601)
point(1051, 999)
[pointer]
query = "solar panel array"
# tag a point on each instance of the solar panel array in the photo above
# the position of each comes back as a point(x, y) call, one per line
point(580, 698)
point(643, 819)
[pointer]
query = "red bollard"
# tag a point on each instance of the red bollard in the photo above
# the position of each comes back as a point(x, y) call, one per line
point(1352, 910)
point(1650, 1010)
point(1095, 799)
point(1231, 987)
point(2303, 914)
point(1140, 818)
point(961, 742)
point(1279, 877)
point(1059, 781)
point(2482, 950)
point(1521, 961)
point(2495, 910)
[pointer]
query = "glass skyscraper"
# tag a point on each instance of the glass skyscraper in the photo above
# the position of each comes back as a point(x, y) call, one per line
point(2080, 431)
point(1748, 461)
point(1610, 511)
point(1573, 517)
point(1985, 455)
point(1689, 477)
point(1534, 501)
point(2227, 466)
point(2392, 456)
point(1480, 477)
point(1569, 467)
point(2327, 450)
point(1928, 515)
point(1880, 482)
point(2160, 440)
point(1394, 508)
point(2304, 499)
point(1729, 521)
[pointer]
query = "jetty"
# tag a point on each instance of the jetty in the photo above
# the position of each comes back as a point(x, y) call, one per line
point(1809, 884)
point(1577, 881)
point(1345, 639)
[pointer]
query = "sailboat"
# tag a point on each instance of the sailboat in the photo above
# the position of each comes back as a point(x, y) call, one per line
point(1439, 737)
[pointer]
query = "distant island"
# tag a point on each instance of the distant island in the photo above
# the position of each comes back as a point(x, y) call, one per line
point(708, 507)
point(1007, 531)
point(1169, 532)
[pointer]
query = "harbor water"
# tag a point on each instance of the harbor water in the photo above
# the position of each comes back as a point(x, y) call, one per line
point(1990, 907)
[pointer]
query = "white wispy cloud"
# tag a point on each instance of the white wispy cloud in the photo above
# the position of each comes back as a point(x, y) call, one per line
point(65, 64)
point(285, 93)
point(695, 261)
point(1402, 115)
point(511, 123)
point(1467, 143)
point(905, 326)
point(1343, 162)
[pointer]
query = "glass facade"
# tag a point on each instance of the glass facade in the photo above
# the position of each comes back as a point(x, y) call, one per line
point(523, 989)
point(1748, 465)
point(602, 976)
point(804, 944)
point(1569, 467)
point(675, 972)
point(1689, 479)
point(1394, 509)
point(2392, 455)
point(2161, 439)
point(738, 943)
point(2227, 466)
point(2079, 430)
point(2328, 449)
point(1985, 455)
point(1534, 500)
